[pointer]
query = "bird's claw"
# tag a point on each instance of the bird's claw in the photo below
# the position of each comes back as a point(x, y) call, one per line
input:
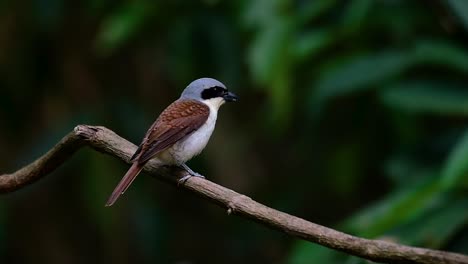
point(188, 176)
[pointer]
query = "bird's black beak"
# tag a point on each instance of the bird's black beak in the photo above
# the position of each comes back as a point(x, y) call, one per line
point(230, 97)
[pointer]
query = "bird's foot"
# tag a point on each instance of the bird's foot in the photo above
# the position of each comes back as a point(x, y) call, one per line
point(190, 174)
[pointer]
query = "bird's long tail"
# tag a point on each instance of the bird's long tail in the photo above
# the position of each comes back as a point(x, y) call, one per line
point(125, 182)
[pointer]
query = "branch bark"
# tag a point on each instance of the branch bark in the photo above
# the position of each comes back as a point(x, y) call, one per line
point(106, 141)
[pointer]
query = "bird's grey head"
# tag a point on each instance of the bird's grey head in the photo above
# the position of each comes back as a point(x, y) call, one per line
point(207, 88)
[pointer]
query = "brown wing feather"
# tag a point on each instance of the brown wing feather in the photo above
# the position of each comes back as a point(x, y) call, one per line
point(176, 122)
point(179, 120)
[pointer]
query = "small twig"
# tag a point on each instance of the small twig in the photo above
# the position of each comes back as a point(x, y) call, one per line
point(106, 141)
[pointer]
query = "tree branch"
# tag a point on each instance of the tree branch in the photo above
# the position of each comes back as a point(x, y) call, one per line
point(106, 141)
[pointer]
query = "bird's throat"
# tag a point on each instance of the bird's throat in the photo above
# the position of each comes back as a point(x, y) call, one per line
point(214, 103)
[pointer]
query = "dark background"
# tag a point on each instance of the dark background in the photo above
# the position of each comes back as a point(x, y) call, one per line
point(353, 115)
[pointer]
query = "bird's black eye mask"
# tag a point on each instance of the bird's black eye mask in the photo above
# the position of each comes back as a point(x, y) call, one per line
point(213, 92)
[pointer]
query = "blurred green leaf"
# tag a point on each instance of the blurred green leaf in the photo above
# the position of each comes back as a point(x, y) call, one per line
point(426, 97)
point(436, 227)
point(121, 25)
point(400, 206)
point(313, 9)
point(260, 13)
point(309, 44)
point(269, 50)
point(460, 8)
point(441, 53)
point(360, 73)
point(270, 62)
point(401, 168)
point(408, 206)
point(355, 15)
point(366, 71)
point(455, 172)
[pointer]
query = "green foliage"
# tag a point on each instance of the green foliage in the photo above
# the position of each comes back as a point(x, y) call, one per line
point(435, 232)
point(441, 53)
point(455, 173)
point(355, 15)
point(400, 206)
point(353, 114)
point(311, 10)
point(309, 44)
point(424, 207)
point(432, 97)
point(121, 25)
point(270, 53)
point(347, 78)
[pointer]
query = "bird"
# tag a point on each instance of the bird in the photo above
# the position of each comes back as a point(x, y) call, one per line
point(180, 132)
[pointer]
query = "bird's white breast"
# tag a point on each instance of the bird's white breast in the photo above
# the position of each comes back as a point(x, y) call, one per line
point(191, 146)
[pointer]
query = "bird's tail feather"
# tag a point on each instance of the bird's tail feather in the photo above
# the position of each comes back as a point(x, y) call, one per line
point(123, 185)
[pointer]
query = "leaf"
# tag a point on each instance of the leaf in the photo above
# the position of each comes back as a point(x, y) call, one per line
point(400, 206)
point(360, 73)
point(455, 171)
point(355, 15)
point(261, 13)
point(427, 97)
point(441, 53)
point(311, 43)
point(269, 50)
point(420, 207)
point(460, 8)
point(366, 71)
point(435, 228)
point(403, 167)
point(311, 10)
point(121, 25)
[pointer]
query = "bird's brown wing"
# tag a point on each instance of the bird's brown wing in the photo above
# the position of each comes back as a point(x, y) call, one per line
point(176, 122)
point(179, 120)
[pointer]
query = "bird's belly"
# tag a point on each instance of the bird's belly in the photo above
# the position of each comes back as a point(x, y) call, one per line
point(191, 146)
